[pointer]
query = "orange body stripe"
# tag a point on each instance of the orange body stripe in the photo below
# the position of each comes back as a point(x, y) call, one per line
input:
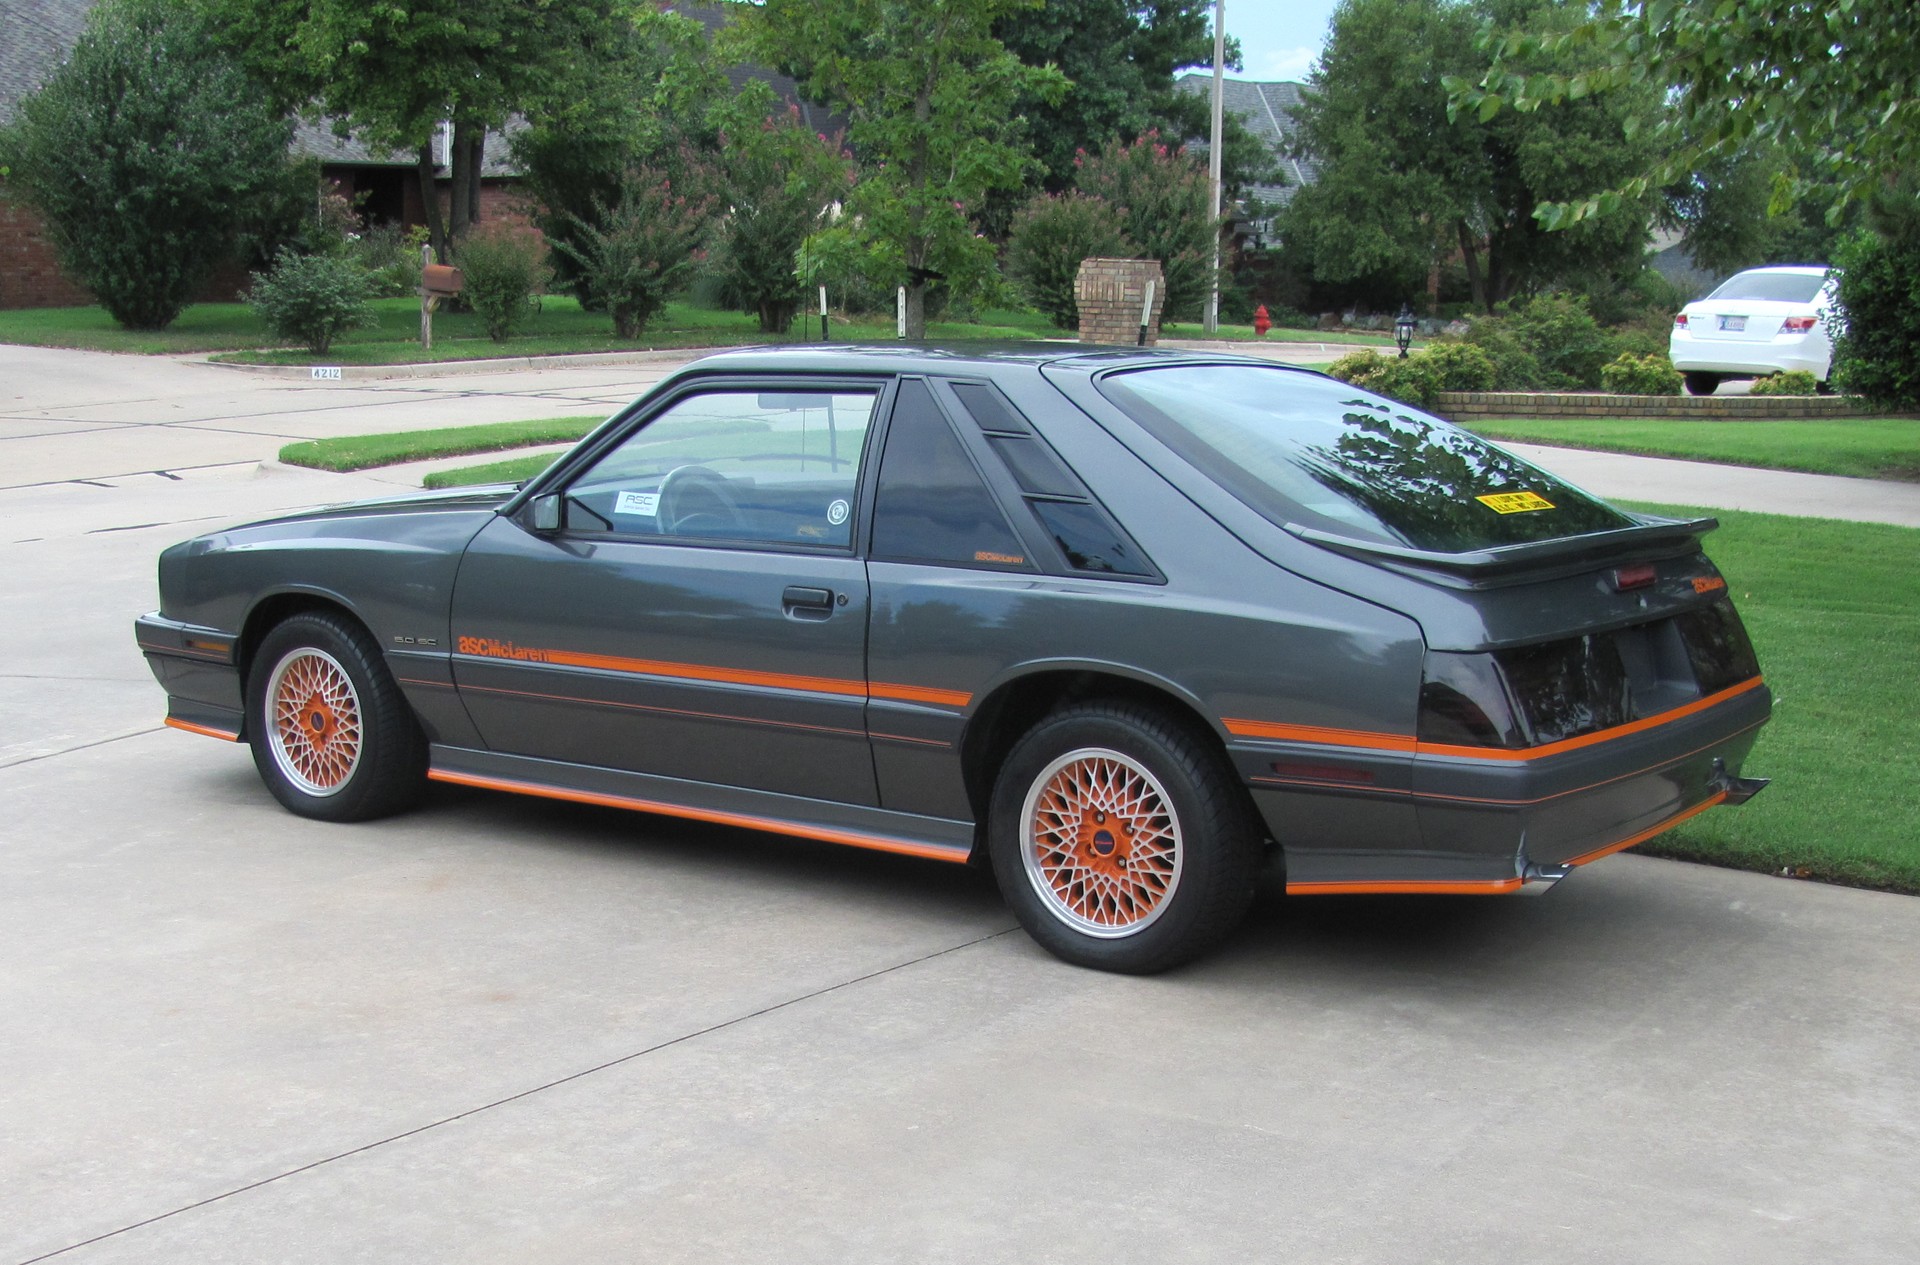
point(206, 731)
point(1413, 746)
point(1417, 887)
point(1645, 835)
point(773, 825)
point(734, 676)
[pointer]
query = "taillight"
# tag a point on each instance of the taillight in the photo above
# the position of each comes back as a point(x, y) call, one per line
point(1797, 324)
point(1634, 577)
point(1680, 321)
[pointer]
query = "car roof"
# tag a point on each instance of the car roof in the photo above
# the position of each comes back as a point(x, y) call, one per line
point(1799, 270)
point(951, 357)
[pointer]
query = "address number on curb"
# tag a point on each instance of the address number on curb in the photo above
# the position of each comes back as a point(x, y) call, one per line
point(326, 373)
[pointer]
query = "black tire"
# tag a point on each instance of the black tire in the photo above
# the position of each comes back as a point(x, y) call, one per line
point(1699, 383)
point(1823, 386)
point(1171, 882)
point(332, 736)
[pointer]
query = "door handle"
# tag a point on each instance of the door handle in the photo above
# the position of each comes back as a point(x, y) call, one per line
point(802, 602)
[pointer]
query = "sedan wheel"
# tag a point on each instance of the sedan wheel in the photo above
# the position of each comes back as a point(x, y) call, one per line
point(1120, 838)
point(1699, 383)
point(332, 735)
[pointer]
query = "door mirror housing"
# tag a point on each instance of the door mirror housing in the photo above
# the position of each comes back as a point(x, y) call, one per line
point(543, 513)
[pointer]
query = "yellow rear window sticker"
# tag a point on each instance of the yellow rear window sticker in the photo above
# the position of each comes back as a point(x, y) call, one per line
point(1514, 502)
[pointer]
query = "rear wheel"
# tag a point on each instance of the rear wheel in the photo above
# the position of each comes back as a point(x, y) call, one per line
point(1121, 840)
point(332, 735)
point(1699, 383)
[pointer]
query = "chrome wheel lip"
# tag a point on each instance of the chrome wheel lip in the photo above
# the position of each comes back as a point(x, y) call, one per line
point(1037, 871)
point(334, 677)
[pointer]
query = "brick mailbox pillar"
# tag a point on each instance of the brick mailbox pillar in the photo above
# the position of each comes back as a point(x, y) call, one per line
point(1111, 294)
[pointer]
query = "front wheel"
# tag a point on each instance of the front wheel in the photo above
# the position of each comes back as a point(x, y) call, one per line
point(332, 736)
point(1121, 839)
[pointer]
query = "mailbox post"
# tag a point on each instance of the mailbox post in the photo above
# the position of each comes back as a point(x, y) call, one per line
point(437, 282)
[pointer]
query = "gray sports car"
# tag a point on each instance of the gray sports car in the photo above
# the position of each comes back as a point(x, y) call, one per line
point(1126, 625)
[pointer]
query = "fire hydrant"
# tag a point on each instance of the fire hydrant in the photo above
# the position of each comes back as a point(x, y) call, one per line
point(1261, 321)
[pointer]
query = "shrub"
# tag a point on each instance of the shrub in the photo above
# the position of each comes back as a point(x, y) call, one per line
point(1878, 351)
point(504, 266)
point(1648, 334)
point(1164, 203)
point(1564, 338)
point(781, 179)
point(1356, 365)
point(312, 299)
point(1629, 374)
point(1790, 382)
point(145, 153)
point(1515, 367)
point(1414, 380)
point(643, 249)
point(1460, 366)
point(1049, 237)
point(391, 256)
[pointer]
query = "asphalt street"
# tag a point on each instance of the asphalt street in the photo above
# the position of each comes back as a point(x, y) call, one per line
point(501, 1029)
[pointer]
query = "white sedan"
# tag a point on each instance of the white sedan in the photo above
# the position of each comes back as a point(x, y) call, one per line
point(1761, 321)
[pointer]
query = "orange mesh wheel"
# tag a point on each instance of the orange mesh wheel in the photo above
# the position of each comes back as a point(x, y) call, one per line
point(1101, 842)
point(313, 713)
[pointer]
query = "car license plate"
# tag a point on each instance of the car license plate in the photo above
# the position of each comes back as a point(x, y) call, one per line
point(1733, 324)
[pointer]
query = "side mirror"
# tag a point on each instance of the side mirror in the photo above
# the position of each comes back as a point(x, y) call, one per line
point(544, 512)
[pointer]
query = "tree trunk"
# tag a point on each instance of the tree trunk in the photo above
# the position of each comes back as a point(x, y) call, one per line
point(430, 204)
point(917, 310)
point(1476, 283)
point(465, 178)
point(479, 165)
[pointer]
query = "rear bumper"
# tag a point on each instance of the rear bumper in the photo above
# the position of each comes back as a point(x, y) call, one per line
point(1451, 821)
point(197, 668)
point(1781, 354)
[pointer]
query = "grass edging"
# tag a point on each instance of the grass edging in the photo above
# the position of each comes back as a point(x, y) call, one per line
point(364, 452)
point(1853, 447)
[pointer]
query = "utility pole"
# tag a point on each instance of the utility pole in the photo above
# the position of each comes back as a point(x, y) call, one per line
point(1213, 158)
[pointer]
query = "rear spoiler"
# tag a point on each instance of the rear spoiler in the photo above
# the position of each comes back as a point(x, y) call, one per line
point(1651, 536)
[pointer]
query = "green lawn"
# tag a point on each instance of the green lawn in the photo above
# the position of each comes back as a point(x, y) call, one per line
point(362, 452)
point(1863, 447)
point(559, 327)
point(512, 470)
point(1834, 610)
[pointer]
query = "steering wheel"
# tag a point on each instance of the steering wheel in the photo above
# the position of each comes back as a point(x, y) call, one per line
point(691, 495)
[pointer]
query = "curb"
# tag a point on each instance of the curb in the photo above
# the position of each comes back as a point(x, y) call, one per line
point(455, 368)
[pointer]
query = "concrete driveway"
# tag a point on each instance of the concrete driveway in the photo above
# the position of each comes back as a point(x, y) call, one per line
point(510, 1030)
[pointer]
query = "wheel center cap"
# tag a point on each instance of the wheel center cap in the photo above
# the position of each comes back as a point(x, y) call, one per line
point(1103, 843)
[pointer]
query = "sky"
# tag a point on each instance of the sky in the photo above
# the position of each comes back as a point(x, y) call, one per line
point(1279, 39)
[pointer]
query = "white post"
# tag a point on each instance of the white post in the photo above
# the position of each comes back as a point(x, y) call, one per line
point(823, 314)
point(1213, 157)
point(1146, 315)
point(900, 311)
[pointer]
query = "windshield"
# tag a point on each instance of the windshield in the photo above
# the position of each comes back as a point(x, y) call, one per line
point(1779, 287)
point(1323, 454)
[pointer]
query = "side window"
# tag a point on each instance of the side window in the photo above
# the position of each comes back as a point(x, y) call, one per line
point(1088, 537)
point(932, 504)
point(754, 466)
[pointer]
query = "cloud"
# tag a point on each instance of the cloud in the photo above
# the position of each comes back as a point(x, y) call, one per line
point(1285, 63)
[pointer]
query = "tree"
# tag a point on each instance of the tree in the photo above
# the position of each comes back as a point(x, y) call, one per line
point(637, 253)
point(780, 181)
point(1050, 236)
point(1164, 201)
point(1404, 183)
point(1834, 86)
point(931, 97)
point(642, 102)
point(1723, 210)
point(145, 152)
point(396, 72)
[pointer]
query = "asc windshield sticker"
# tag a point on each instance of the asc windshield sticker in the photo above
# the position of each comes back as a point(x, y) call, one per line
point(1514, 502)
point(645, 504)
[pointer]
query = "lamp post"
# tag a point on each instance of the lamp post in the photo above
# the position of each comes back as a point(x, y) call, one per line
point(1403, 326)
point(1213, 159)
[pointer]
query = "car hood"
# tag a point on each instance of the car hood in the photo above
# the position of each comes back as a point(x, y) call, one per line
point(487, 497)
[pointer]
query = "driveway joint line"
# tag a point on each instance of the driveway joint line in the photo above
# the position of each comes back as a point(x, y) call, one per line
point(84, 746)
point(682, 1039)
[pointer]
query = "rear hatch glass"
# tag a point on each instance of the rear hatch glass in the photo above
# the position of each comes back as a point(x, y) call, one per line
point(1317, 453)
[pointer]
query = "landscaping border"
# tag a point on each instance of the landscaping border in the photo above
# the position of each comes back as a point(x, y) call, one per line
point(1473, 405)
